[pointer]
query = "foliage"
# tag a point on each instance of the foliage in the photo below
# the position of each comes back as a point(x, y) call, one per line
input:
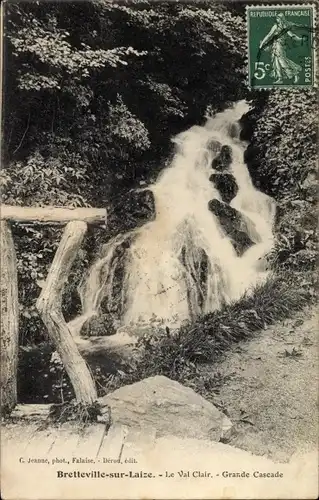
point(282, 159)
point(49, 180)
point(107, 80)
point(295, 251)
point(285, 134)
point(72, 411)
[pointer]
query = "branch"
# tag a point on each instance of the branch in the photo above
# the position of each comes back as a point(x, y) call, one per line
point(22, 139)
point(53, 214)
point(49, 305)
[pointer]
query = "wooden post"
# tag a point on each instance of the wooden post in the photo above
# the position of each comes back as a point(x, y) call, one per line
point(9, 318)
point(49, 305)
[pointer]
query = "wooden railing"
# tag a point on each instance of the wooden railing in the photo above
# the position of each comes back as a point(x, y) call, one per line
point(49, 304)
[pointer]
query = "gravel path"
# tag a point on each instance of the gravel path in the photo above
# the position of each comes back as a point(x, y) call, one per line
point(272, 393)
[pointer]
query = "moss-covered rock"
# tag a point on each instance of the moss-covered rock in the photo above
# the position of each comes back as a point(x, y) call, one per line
point(131, 210)
point(233, 224)
point(226, 185)
point(101, 325)
point(223, 160)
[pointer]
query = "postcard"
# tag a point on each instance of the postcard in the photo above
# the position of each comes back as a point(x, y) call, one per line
point(158, 250)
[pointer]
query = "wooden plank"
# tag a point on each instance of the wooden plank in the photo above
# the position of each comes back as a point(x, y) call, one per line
point(60, 215)
point(16, 437)
point(31, 412)
point(66, 442)
point(41, 442)
point(113, 442)
point(123, 442)
point(89, 442)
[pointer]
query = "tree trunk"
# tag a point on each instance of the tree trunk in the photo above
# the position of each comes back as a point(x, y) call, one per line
point(49, 306)
point(9, 317)
point(58, 215)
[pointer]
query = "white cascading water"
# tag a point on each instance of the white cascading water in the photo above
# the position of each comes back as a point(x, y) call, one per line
point(164, 276)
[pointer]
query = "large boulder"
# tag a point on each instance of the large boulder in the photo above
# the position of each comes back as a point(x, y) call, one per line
point(167, 407)
point(131, 210)
point(233, 224)
point(226, 185)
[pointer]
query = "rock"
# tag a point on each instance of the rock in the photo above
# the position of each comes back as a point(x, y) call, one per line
point(228, 431)
point(114, 350)
point(228, 215)
point(241, 242)
point(214, 147)
point(98, 326)
point(105, 417)
point(233, 224)
point(166, 406)
point(226, 185)
point(222, 161)
point(131, 210)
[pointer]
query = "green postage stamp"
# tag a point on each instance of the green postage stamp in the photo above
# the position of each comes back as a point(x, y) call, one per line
point(281, 51)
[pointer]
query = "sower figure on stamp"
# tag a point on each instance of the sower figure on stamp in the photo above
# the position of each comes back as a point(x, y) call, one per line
point(275, 40)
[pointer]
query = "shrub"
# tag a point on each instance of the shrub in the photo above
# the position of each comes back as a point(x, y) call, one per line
point(76, 412)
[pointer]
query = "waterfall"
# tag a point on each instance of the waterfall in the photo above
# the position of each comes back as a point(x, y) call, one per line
point(183, 263)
